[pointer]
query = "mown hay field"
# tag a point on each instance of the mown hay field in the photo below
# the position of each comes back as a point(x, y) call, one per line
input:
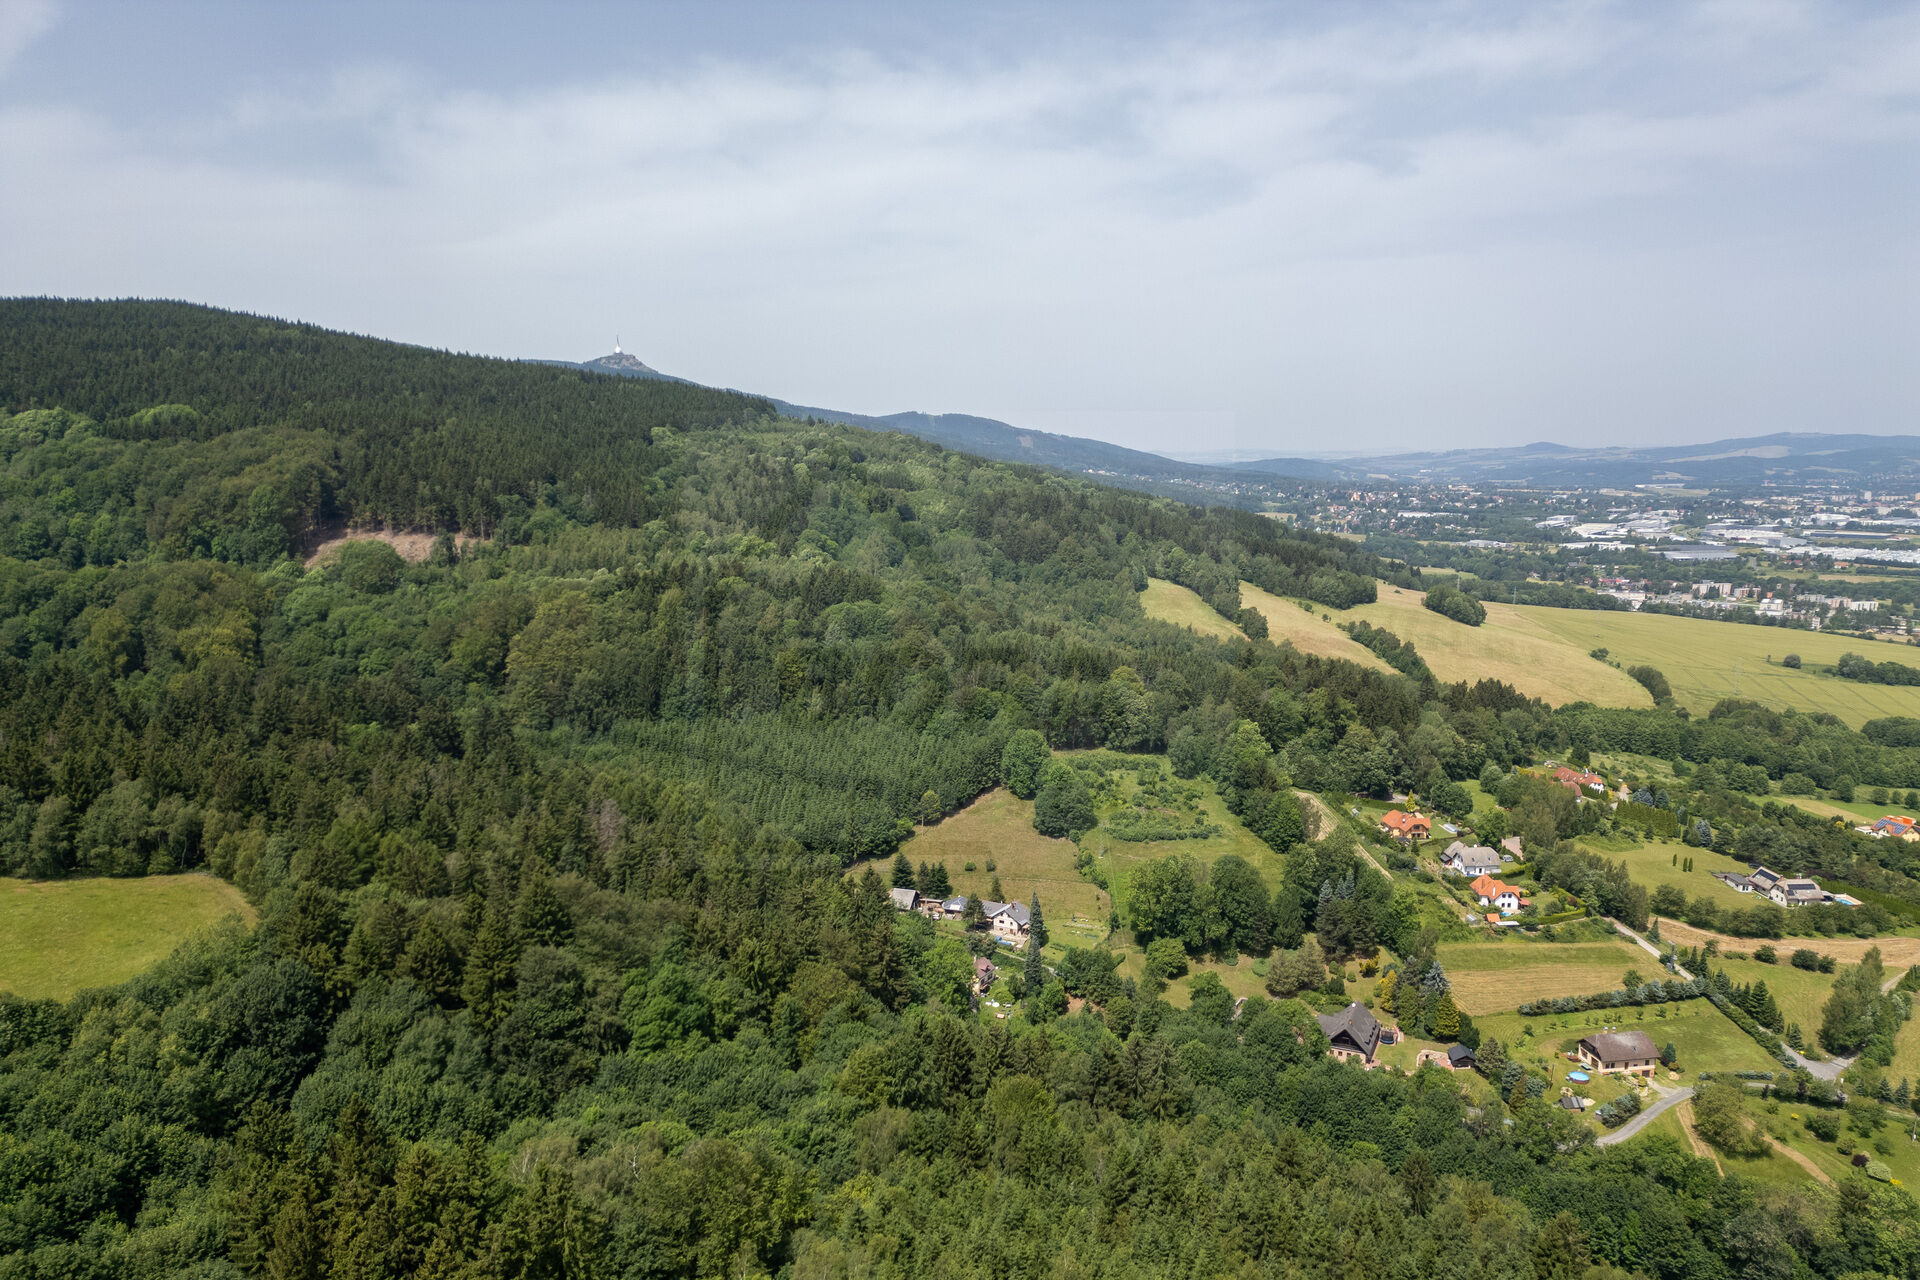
point(1497, 975)
point(1513, 646)
point(1170, 602)
point(58, 937)
point(1706, 661)
point(1306, 629)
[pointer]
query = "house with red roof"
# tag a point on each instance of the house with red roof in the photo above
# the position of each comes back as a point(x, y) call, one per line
point(1406, 826)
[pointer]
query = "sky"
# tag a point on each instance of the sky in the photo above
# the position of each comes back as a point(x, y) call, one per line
point(1266, 229)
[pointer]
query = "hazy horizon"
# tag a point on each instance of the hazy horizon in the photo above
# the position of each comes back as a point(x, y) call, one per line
point(1205, 228)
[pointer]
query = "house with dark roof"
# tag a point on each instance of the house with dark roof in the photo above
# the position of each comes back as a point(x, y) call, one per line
point(1352, 1033)
point(1459, 1056)
point(1009, 920)
point(1470, 859)
point(904, 899)
point(1619, 1053)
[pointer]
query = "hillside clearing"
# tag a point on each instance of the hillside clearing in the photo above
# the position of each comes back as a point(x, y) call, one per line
point(1512, 646)
point(1305, 629)
point(998, 828)
point(1170, 602)
point(58, 937)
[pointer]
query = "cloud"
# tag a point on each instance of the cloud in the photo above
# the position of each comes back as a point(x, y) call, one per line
point(21, 23)
point(1575, 218)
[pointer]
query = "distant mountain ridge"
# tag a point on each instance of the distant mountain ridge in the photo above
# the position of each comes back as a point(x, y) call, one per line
point(1803, 457)
point(1002, 441)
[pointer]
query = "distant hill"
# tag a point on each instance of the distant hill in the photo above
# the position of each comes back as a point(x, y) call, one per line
point(1801, 457)
point(1795, 457)
point(1004, 442)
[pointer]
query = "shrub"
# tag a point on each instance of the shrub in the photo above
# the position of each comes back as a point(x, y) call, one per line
point(1824, 1125)
point(1791, 660)
point(1766, 955)
point(1804, 959)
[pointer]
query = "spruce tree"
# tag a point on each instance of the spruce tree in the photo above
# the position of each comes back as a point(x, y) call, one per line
point(902, 871)
point(1035, 972)
point(1036, 927)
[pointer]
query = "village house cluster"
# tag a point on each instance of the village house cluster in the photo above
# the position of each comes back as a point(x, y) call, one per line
point(1786, 891)
point(1009, 921)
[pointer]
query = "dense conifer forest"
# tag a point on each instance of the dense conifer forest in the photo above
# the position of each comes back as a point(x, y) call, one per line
point(559, 968)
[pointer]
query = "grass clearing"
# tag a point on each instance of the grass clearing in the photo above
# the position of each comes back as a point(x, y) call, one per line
point(1503, 973)
point(998, 827)
point(1800, 994)
point(1706, 661)
point(58, 937)
point(1306, 629)
point(1167, 601)
point(1513, 645)
point(1652, 865)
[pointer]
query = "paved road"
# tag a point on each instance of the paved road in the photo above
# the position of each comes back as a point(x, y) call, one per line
point(1639, 1122)
point(1828, 1070)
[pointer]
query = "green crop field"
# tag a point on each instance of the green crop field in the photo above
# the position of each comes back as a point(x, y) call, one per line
point(1498, 974)
point(1170, 602)
point(1305, 629)
point(998, 827)
point(62, 936)
point(1706, 661)
point(1512, 645)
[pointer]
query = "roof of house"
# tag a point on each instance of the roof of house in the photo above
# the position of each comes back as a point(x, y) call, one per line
point(1459, 1053)
point(904, 898)
point(1014, 911)
point(1397, 821)
point(1621, 1046)
point(956, 904)
point(1356, 1023)
point(1476, 855)
point(982, 965)
point(1763, 877)
point(1488, 887)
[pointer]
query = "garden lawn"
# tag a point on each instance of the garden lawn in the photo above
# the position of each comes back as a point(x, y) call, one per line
point(58, 937)
point(1704, 1038)
point(1117, 859)
point(1498, 974)
point(1170, 602)
point(1652, 864)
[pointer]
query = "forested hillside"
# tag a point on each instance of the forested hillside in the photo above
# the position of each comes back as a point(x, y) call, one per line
point(559, 971)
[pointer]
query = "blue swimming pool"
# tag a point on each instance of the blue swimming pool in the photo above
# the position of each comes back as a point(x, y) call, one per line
point(1578, 1075)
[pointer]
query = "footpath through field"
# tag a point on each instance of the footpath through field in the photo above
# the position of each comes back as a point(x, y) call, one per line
point(1646, 946)
point(1329, 821)
point(1641, 1121)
